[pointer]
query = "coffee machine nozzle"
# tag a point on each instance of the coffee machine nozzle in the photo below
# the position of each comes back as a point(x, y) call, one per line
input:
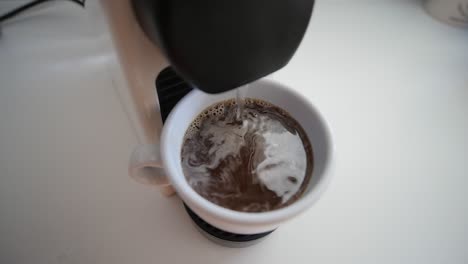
point(218, 45)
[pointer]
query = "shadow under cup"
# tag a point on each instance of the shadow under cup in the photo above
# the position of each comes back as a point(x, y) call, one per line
point(244, 222)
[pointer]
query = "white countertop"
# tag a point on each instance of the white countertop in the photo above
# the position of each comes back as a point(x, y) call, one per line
point(391, 81)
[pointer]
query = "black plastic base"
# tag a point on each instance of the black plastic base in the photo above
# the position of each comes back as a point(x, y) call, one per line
point(170, 89)
point(216, 232)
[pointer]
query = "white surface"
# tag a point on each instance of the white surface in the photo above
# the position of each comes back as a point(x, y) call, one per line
point(390, 80)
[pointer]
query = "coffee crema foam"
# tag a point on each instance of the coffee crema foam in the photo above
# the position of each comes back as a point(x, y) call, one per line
point(259, 162)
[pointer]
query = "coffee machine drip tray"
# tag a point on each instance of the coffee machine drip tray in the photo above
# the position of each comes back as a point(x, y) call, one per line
point(170, 88)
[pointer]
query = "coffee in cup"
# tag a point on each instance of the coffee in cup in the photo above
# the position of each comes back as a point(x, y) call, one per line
point(253, 158)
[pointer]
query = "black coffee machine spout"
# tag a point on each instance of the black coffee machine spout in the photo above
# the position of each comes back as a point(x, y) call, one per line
point(219, 45)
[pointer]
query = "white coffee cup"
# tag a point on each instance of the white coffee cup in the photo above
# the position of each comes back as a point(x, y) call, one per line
point(160, 164)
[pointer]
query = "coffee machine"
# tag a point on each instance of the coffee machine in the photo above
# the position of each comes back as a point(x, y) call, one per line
point(220, 45)
point(172, 46)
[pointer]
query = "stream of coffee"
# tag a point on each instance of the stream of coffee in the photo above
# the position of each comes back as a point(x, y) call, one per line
point(241, 93)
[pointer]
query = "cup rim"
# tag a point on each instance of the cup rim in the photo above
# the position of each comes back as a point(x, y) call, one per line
point(192, 198)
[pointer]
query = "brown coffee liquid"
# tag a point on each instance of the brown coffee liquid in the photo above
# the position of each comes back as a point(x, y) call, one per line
point(259, 162)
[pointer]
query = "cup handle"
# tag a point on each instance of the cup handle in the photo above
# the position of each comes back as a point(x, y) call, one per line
point(146, 167)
